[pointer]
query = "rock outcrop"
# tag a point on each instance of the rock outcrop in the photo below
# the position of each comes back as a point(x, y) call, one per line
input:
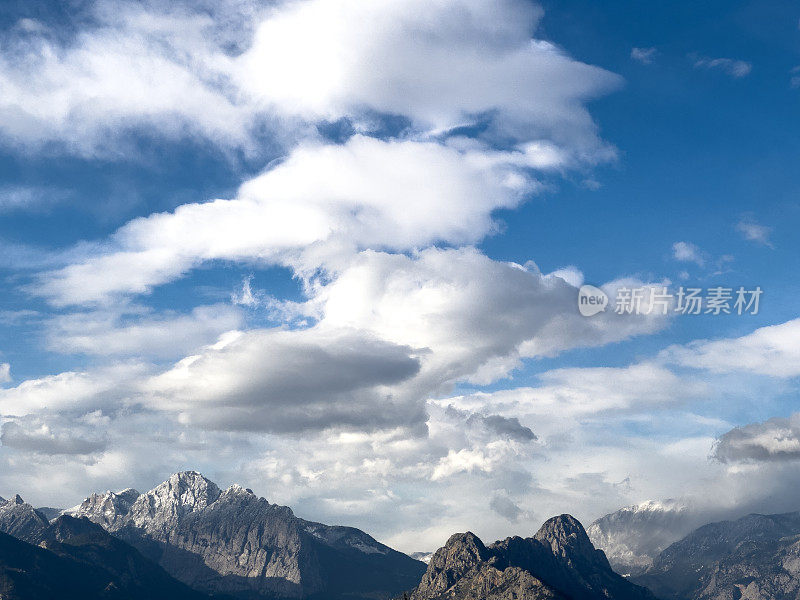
point(559, 562)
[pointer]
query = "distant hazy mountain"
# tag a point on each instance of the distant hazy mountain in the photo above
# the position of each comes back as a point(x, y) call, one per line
point(756, 557)
point(75, 559)
point(423, 556)
point(230, 541)
point(559, 562)
point(633, 536)
point(49, 512)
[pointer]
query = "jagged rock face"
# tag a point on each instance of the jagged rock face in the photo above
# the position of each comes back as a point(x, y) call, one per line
point(756, 557)
point(558, 562)
point(235, 543)
point(462, 553)
point(21, 520)
point(633, 536)
point(105, 509)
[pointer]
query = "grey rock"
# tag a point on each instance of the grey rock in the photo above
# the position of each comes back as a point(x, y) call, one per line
point(236, 543)
point(559, 562)
point(756, 557)
point(21, 520)
point(105, 509)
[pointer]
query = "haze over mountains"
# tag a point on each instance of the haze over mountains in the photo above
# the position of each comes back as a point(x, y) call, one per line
point(634, 536)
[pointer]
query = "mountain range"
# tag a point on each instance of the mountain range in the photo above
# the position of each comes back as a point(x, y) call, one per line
point(75, 559)
point(756, 557)
point(188, 539)
point(233, 542)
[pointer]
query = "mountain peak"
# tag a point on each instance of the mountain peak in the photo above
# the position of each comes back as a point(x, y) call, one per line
point(565, 534)
point(189, 488)
point(18, 499)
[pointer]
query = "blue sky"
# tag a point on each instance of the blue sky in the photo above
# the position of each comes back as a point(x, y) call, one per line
point(406, 214)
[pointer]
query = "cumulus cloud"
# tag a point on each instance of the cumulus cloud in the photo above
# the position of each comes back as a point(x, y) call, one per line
point(735, 68)
point(777, 439)
point(478, 317)
point(5, 373)
point(40, 437)
point(129, 67)
point(287, 381)
point(772, 351)
point(441, 63)
point(72, 391)
point(221, 71)
point(318, 206)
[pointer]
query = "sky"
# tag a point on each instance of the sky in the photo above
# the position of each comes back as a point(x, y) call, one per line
point(332, 251)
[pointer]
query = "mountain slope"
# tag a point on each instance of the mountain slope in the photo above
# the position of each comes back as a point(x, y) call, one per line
point(21, 520)
point(757, 556)
point(78, 560)
point(559, 562)
point(633, 536)
point(230, 541)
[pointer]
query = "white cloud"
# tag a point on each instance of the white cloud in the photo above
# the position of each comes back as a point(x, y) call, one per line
point(575, 392)
point(136, 332)
point(15, 197)
point(5, 373)
point(772, 351)
point(688, 252)
point(287, 381)
point(753, 231)
point(319, 206)
point(134, 67)
point(478, 317)
point(735, 68)
point(38, 436)
point(777, 439)
point(222, 71)
point(71, 391)
point(644, 55)
point(440, 63)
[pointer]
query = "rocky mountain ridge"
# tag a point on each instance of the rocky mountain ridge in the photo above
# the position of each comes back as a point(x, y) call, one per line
point(756, 557)
point(233, 542)
point(559, 562)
